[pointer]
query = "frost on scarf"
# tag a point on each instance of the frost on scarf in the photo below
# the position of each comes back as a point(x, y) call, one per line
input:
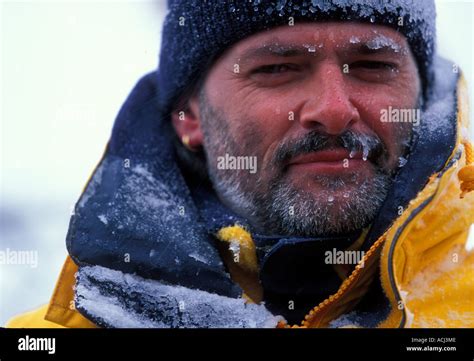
point(115, 299)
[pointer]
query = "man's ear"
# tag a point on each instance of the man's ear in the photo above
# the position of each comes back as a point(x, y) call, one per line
point(187, 124)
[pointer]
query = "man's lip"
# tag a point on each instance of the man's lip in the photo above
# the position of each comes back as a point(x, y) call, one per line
point(325, 156)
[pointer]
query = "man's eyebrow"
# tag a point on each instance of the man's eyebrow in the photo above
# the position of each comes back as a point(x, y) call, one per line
point(378, 45)
point(276, 49)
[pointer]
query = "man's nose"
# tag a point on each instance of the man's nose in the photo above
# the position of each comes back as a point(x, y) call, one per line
point(328, 107)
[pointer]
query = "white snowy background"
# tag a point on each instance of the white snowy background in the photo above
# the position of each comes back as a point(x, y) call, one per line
point(66, 68)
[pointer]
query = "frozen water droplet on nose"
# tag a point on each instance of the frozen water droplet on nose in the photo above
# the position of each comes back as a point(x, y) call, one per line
point(330, 199)
point(346, 195)
point(372, 19)
point(352, 153)
point(232, 9)
point(364, 141)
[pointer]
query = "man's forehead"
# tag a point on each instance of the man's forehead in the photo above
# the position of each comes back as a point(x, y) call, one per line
point(308, 38)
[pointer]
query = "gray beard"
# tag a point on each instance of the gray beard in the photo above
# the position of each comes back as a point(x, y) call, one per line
point(287, 210)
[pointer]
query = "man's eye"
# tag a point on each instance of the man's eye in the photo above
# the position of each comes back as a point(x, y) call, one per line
point(373, 65)
point(274, 69)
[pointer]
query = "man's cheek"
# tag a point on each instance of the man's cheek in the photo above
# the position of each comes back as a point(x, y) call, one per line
point(260, 129)
point(249, 137)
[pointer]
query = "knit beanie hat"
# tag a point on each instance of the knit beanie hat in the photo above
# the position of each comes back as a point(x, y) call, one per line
point(196, 32)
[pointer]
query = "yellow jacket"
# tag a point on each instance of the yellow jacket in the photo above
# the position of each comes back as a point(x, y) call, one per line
point(426, 270)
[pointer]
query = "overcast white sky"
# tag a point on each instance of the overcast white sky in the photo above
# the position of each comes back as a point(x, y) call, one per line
point(66, 68)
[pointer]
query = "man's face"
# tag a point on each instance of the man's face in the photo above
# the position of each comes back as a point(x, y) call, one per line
point(306, 102)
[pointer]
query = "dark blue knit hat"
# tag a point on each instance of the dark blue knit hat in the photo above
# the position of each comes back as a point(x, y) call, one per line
point(196, 32)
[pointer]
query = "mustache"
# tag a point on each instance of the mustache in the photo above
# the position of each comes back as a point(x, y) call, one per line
point(371, 146)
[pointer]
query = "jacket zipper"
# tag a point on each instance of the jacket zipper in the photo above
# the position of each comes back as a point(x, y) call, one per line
point(312, 315)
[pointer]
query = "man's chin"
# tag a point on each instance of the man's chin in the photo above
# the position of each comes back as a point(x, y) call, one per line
point(323, 210)
point(334, 201)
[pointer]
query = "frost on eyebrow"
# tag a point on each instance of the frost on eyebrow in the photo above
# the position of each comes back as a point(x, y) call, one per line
point(382, 41)
point(286, 49)
point(377, 44)
point(275, 48)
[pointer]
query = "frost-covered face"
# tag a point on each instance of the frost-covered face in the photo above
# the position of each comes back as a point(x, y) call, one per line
point(304, 126)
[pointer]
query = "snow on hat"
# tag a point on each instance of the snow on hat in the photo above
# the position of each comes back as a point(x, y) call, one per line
point(196, 32)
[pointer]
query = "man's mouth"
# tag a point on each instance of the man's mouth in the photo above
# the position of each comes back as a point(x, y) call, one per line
point(328, 161)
